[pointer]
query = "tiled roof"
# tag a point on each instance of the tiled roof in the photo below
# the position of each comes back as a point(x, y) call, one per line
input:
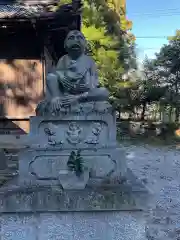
point(20, 11)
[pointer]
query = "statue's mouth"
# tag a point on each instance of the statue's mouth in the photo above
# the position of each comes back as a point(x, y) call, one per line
point(75, 47)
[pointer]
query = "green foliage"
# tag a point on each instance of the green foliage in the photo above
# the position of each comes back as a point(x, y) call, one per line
point(71, 161)
point(160, 81)
point(75, 163)
point(103, 25)
point(168, 64)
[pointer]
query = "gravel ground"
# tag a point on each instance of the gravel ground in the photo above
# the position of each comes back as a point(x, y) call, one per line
point(159, 169)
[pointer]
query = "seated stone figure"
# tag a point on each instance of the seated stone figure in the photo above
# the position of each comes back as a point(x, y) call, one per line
point(74, 80)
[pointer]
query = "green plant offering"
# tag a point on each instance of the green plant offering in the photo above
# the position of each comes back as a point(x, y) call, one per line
point(75, 163)
point(71, 161)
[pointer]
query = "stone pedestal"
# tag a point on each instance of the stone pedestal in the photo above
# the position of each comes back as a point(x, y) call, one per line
point(46, 212)
point(48, 201)
point(91, 128)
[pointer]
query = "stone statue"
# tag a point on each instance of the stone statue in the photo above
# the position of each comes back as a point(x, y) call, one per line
point(74, 80)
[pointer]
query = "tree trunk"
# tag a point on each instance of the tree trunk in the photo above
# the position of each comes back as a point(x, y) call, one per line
point(176, 90)
point(170, 114)
point(143, 111)
point(177, 114)
point(119, 114)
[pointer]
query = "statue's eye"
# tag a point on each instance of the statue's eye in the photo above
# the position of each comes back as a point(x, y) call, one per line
point(71, 38)
point(80, 37)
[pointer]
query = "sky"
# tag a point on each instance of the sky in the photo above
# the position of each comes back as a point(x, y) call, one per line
point(159, 18)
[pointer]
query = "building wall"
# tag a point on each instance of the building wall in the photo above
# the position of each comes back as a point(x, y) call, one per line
point(21, 88)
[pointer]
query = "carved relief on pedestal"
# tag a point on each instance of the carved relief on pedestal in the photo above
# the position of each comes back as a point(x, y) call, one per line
point(52, 132)
point(93, 137)
point(74, 133)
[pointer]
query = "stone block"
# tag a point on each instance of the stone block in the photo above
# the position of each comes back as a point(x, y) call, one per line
point(69, 180)
point(40, 165)
point(91, 131)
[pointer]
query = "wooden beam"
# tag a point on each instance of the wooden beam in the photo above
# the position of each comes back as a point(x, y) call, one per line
point(76, 5)
point(36, 2)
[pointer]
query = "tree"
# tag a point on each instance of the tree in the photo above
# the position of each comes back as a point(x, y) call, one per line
point(168, 63)
point(105, 27)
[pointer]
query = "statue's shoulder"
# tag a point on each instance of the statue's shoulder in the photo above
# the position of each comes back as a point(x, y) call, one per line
point(61, 62)
point(62, 58)
point(89, 59)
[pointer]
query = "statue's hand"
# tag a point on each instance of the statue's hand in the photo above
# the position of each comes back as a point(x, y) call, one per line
point(68, 100)
point(83, 87)
point(56, 104)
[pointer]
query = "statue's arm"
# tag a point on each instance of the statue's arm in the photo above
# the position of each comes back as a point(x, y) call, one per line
point(59, 65)
point(94, 75)
point(60, 68)
point(52, 80)
point(91, 78)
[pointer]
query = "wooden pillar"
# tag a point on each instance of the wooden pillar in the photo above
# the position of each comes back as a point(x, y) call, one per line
point(76, 4)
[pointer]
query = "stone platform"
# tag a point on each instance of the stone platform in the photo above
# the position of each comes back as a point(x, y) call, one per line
point(46, 211)
point(107, 202)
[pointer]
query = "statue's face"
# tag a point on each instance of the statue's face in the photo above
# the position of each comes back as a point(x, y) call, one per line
point(75, 42)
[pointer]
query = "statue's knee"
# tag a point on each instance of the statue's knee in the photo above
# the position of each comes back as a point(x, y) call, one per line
point(103, 92)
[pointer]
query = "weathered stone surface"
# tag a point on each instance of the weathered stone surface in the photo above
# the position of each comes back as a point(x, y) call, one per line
point(44, 165)
point(49, 199)
point(44, 196)
point(3, 161)
point(70, 181)
point(81, 131)
point(73, 226)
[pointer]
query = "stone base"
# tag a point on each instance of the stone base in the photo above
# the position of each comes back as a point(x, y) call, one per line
point(43, 165)
point(73, 226)
point(36, 206)
point(52, 198)
point(51, 213)
point(43, 213)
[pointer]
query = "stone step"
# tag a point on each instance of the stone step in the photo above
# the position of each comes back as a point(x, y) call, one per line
point(2, 178)
point(7, 173)
point(12, 158)
point(11, 146)
point(11, 150)
point(13, 166)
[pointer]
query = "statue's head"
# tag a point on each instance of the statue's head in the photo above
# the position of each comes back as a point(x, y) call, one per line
point(75, 42)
